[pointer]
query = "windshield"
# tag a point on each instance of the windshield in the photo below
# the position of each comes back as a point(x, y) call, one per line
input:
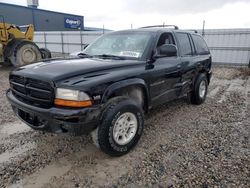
point(127, 45)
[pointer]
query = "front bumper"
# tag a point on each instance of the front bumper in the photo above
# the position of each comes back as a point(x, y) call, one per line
point(56, 120)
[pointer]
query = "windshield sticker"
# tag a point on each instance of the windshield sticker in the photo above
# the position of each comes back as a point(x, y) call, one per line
point(130, 54)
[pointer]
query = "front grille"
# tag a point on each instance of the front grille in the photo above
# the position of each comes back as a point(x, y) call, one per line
point(32, 91)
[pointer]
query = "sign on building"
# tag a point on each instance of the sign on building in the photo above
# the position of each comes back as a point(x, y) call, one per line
point(72, 23)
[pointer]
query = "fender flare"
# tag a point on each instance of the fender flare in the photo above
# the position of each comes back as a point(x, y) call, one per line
point(125, 83)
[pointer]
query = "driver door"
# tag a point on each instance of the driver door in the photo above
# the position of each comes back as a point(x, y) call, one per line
point(165, 74)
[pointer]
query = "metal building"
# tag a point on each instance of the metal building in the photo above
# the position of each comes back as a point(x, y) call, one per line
point(43, 20)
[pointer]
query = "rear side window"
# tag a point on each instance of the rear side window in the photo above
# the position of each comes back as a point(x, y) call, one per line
point(200, 45)
point(184, 43)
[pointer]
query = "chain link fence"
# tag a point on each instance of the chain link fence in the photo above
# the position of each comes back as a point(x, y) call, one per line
point(228, 46)
point(65, 42)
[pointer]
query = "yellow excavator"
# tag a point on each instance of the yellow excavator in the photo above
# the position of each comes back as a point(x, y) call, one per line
point(17, 46)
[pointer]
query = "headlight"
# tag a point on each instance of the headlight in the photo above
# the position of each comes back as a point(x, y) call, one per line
point(69, 94)
point(72, 98)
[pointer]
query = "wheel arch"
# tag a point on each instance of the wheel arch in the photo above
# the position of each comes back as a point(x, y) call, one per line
point(205, 71)
point(116, 88)
point(207, 74)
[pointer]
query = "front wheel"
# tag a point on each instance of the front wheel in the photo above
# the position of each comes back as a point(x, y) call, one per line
point(121, 126)
point(24, 53)
point(199, 92)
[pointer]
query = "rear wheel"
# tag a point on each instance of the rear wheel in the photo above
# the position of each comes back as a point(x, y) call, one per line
point(46, 54)
point(121, 126)
point(25, 53)
point(199, 92)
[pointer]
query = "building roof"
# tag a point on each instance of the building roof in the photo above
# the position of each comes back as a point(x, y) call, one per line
point(37, 9)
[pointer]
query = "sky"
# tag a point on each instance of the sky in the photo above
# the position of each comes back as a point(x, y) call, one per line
point(121, 14)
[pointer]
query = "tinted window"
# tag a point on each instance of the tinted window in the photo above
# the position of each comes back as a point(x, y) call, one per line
point(185, 46)
point(200, 45)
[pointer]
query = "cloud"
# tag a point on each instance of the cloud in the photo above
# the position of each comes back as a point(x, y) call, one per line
point(232, 15)
point(174, 7)
point(120, 14)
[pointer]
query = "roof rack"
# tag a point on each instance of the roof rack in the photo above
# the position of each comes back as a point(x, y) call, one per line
point(152, 26)
point(195, 31)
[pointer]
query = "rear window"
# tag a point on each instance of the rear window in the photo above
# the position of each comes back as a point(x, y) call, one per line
point(200, 45)
point(184, 43)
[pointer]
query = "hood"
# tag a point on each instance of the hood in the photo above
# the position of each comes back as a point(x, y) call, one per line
point(55, 70)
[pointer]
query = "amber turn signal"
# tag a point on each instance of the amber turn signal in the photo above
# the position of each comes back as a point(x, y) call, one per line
point(70, 103)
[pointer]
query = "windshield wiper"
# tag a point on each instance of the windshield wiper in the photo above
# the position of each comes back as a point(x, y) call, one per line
point(83, 55)
point(109, 56)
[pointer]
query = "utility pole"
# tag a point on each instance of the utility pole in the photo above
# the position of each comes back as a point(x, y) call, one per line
point(203, 28)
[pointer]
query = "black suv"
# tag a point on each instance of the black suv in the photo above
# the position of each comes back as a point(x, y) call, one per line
point(111, 85)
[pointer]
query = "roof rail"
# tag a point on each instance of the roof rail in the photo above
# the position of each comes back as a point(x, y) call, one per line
point(152, 26)
point(195, 31)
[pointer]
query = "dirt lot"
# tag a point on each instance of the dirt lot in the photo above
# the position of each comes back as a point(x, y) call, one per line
point(182, 145)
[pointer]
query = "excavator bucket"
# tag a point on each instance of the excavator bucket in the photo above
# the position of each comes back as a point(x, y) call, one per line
point(29, 34)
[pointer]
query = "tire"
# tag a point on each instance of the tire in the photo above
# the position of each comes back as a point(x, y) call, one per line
point(199, 92)
point(25, 53)
point(46, 54)
point(94, 135)
point(118, 113)
point(6, 63)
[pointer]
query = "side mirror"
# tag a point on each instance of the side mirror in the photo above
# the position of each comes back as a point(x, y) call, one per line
point(167, 50)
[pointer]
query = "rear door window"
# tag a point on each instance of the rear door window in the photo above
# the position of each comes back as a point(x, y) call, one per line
point(200, 45)
point(184, 44)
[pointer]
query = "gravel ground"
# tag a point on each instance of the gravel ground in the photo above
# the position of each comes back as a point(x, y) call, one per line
point(182, 146)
